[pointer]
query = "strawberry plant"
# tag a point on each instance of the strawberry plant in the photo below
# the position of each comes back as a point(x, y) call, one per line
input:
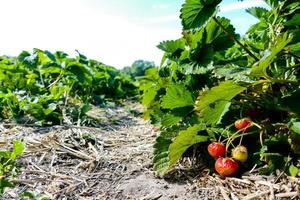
point(8, 166)
point(42, 86)
point(211, 77)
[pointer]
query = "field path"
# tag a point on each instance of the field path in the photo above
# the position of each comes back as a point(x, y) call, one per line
point(114, 161)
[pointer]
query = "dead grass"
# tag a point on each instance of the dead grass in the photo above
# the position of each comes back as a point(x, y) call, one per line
point(113, 161)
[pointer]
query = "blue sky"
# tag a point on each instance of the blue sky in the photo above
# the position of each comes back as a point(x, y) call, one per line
point(116, 32)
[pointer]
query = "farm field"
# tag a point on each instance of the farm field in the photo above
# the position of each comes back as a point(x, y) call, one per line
point(219, 118)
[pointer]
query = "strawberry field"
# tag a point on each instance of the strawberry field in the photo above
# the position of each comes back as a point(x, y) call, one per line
point(218, 119)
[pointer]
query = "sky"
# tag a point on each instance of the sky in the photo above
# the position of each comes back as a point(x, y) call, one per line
point(115, 32)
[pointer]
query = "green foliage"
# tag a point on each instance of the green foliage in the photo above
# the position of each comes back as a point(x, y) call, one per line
point(138, 68)
point(195, 13)
point(213, 104)
point(230, 76)
point(41, 85)
point(34, 196)
point(177, 96)
point(184, 140)
point(8, 166)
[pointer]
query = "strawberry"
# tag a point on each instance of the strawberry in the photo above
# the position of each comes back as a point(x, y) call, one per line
point(240, 153)
point(226, 166)
point(242, 123)
point(253, 113)
point(216, 149)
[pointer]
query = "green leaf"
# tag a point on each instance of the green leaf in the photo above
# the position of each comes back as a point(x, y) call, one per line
point(295, 126)
point(295, 136)
point(177, 96)
point(194, 68)
point(232, 71)
point(161, 155)
point(149, 95)
point(260, 69)
point(293, 170)
point(272, 3)
point(217, 37)
point(170, 120)
point(195, 13)
point(171, 46)
point(257, 12)
point(50, 69)
point(27, 194)
point(295, 21)
point(295, 48)
point(290, 102)
point(184, 140)
point(18, 149)
point(4, 184)
point(85, 108)
point(82, 72)
point(211, 105)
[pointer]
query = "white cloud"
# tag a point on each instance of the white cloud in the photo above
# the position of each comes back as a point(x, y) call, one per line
point(74, 24)
point(241, 5)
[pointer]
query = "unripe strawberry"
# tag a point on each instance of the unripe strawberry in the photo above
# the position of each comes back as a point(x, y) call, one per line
point(216, 149)
point(240, 153)
point(227, 167)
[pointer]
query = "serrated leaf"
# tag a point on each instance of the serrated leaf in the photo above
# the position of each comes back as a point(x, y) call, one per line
point(177, 96)
point(260, 69)
point(194, 68)
point(161, 155)
point(257, 12)
point(184, 140)
point(217, 37)
point(195, 13)
point(295, 21)
point(149, 95)
point(211, 105)
point(170, 120)
point(233, 72)
point(171, 46)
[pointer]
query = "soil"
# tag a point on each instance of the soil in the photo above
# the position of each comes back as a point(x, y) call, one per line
point(114, 161)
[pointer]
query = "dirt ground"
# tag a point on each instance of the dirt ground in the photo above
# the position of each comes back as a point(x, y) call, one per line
point(114, 161)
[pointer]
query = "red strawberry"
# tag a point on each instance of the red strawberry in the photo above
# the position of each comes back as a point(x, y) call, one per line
point(226, 166)
point(242, 123)
point(216, 149)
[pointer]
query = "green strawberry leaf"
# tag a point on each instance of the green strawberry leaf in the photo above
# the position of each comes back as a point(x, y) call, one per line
point(195, 13)
point(211, 105)
point(177, 96)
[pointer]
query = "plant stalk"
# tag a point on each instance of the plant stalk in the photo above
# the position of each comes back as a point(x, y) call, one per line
point(236, 40)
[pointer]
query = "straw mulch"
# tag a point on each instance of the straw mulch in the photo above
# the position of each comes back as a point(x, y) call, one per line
point(113, 161)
